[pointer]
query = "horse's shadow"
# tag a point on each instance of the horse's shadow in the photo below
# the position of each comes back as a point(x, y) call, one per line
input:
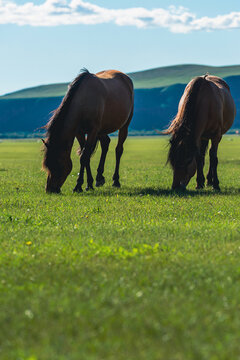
point(186, 193)
point(161, 192)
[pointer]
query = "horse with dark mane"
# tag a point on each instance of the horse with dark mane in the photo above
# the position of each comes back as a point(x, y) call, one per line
point(93, 107)
point(206, 111)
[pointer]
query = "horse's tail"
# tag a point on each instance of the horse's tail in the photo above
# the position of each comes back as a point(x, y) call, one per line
point(186, 113)
point(182, 142)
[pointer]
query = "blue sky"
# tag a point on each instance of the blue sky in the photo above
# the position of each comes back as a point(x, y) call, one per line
point(49, 41)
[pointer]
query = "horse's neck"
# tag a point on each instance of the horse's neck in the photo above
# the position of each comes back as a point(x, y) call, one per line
point(68, 131)
point(63, 140)
point(67, 140)
point(69, 127)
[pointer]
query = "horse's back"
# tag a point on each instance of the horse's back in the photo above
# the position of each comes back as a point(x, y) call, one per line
point(116, 85)
point(215, 108)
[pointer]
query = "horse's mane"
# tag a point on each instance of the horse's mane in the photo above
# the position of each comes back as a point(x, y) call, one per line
point(182, 143)
point(56, 122)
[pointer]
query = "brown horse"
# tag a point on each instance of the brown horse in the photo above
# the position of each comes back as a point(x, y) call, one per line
point(206, 111)
point(94, 106)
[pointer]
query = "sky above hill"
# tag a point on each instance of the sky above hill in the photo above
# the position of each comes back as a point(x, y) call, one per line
point(49, 41)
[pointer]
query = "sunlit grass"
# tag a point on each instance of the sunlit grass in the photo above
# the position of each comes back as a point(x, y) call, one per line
point(138, 272)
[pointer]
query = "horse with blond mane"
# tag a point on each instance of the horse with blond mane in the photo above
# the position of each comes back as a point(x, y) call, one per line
point(94, 106)
point(206, 111)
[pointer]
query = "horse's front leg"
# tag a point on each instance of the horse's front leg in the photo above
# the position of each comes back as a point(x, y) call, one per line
point(78, 187)
point(89, 147)
point(89, 176)
point(82, 141)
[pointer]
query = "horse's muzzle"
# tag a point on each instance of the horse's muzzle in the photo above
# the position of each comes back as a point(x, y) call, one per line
point(53, 190)
point(179, 188)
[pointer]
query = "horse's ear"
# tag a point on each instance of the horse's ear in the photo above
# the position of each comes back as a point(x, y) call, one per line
point(44, 142)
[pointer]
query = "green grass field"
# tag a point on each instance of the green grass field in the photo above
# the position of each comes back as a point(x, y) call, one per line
point(131, 273)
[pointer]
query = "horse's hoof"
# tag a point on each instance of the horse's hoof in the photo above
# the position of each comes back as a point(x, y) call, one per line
point(216, 188)
point(199, 187)
point(53, 191)
point(179, 189)
point(89, 187)
point(209, 183)
point(78, 189)
point(116, 184)
point(100, 182)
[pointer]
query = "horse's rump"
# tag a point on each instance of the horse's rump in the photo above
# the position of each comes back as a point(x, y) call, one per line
point(182, 128)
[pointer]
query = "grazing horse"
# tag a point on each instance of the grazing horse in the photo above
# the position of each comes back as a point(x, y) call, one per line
point(206, 111)
point(93, 107)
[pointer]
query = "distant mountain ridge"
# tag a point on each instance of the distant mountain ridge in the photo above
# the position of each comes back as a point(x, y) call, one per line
point(154, 107)
point(179, 74)
point(147, 79)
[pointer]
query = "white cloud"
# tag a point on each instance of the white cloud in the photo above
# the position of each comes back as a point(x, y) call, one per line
point(70, 12)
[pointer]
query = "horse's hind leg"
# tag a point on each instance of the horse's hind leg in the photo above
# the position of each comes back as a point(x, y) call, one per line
point(122, 135)
point(210, 173)
point(104, 141)
point(212, 177)
point(200, 164)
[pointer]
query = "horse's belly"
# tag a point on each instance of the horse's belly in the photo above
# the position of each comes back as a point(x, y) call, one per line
point(114, 118)
point(112, 125)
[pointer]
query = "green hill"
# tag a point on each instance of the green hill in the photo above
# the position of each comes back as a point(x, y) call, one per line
point(43, 91)
point(154, 78)
point(178, 74)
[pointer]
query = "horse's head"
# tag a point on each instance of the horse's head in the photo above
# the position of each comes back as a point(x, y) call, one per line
point(183, 174)
point(58, 163)
point(182, 156)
